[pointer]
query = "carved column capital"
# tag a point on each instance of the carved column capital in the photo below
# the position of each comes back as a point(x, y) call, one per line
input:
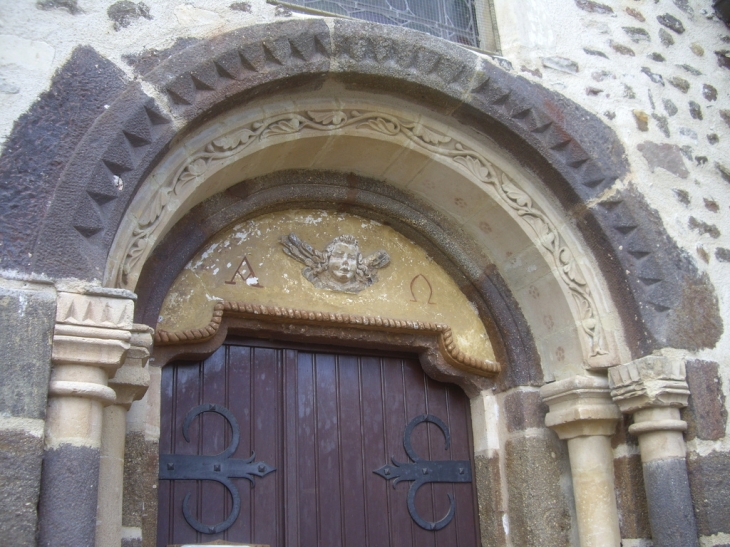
point(132, 379)
point(91, 330)
point(649, 382)
point(90, 340)
point(580, 406)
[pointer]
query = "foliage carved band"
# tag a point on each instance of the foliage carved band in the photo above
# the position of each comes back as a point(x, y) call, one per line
point(447, 345)
point(211, 157)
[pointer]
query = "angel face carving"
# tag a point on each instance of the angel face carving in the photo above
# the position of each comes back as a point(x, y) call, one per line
point(340, 267)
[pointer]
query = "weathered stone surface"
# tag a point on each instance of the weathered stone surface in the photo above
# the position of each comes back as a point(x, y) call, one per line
point(666, 156)
point(539, 510)
point(669, 502)
point(622, 435)
point(21, 455)
point(593, 7)
point(72, 6)
point(631, 497)
point(241, 6)
point(703, 228)
point(670, 107)
point(723, 170)
point(684, 6)
point(653, 76)
point(695, 110)
point(666, 38)
point(689, 68)
point(709, 92)
point(124, 12)
point(67, 510)
point(723, 58)
point(671, 22)
point(524, 410)
point(561, 64)
point(41, 143)
point(683, 290)
point(711, 205)
point(662, 123)
point(642, 120)
point(682, 196)
point(150, 58)
point(489, 499)
point(377, 50)
point(692, 134)
point(725, 115)
point(706, 415)
point(722, 254)
point(709, 478)
point(25, 350)
point(679, 83)
point(636, 14)
point(621, 49)
point(139, 510)
point(595, 52)
point(637, 34)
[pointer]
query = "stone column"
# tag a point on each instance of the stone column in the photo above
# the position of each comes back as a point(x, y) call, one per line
point(583, 414)
point(130, 383)
point(90, 340)
point(653, 389)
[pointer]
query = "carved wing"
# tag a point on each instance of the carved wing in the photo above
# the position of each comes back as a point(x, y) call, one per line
point(301, 251)
point(377, 260)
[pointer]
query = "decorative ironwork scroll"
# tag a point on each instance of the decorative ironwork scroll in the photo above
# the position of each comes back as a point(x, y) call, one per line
point(221, 468)
point(422, 471)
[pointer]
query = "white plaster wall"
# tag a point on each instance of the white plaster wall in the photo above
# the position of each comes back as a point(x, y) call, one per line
point(34, 43)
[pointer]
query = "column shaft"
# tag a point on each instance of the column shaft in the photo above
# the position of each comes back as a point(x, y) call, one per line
point(582, 413)
point(591, 464)
point(653, 389)
point(91, 337)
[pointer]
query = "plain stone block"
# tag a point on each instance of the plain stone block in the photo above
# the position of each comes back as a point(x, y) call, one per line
point(27, 318)
point(21, 455)
point(539, 511)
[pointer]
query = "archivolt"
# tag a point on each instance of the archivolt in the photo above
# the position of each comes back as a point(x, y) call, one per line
point(572, 153)
point(459, 174)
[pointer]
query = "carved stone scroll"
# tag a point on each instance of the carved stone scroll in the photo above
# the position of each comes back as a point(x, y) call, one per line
point(204, 162)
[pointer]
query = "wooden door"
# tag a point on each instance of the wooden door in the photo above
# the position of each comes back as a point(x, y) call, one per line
point(325, 420)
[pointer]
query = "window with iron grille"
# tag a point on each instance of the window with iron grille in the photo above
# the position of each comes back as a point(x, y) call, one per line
point(467, 22)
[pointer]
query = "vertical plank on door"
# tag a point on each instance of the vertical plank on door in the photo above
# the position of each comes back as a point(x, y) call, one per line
point(355, 533)
point(327, 449)
point(306, 443)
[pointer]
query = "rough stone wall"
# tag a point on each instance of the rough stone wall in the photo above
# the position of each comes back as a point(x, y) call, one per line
point(25, 364)
point(657, 72)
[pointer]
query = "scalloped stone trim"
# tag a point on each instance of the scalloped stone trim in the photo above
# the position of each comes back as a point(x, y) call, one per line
point(450, 351)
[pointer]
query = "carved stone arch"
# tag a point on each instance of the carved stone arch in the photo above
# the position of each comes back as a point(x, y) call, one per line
point(577, 158)
point(438, 235)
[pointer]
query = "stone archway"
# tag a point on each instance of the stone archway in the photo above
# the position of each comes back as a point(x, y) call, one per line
point(640, 283)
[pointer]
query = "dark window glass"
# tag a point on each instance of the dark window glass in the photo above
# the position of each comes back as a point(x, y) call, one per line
point(466, 22)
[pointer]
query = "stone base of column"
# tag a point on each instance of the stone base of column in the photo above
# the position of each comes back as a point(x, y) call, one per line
point(670, 504)
point(70, 480)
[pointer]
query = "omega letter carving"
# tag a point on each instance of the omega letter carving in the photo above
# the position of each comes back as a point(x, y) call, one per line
point(340, 267)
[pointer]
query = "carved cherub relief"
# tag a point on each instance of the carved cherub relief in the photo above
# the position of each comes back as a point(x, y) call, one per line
point(340, 267)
